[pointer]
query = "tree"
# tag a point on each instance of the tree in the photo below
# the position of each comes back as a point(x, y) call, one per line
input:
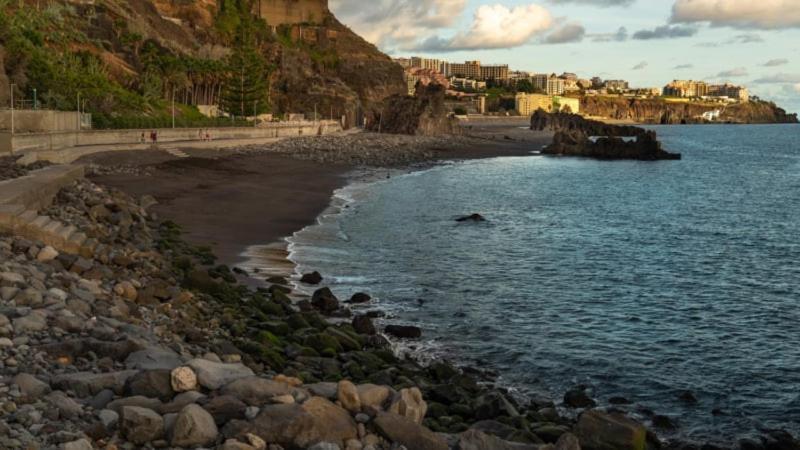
point(246, 90)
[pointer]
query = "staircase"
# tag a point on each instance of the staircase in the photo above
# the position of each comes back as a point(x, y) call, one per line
point(22, 198)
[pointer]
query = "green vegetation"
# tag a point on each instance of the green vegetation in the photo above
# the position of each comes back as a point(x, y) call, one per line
point(246, 92)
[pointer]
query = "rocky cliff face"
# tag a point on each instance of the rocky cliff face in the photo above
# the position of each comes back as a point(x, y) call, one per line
point(323, 66)
point(423, 114)
point(660, 112)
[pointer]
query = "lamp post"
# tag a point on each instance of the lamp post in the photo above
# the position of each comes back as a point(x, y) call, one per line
point(12, 109)
point(35, 100)
point(173, 108)
point(79, 111)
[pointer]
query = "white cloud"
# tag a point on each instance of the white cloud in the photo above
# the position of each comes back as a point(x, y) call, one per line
point(763, 14)
point(776, 62)
point(397, 23)
point(497, 26)
point(797, 88)
point(780, 78)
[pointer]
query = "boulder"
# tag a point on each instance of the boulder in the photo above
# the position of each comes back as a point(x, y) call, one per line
point(31, 388)
point(408, 403)
point(213, 375)
point(493, 404)
point(471, 218)
point(347, 395)
point(324, 300)
point(85, 384)
point(151, 383)
point(578, 398)
point(602, 431)
point(359, 297)
point(332, 423)
point(33, 322)
point(325, 389)
point(67, 408)
point(313, 278)
point(403, 331)
point(363, 325)
point(568, 441)
point(141, 425)
point(233, 444)
point(373, 396)
point(286, 425)
point(225, 408)
point(47, 254)
point(478, 440)
point(80, 444)
point(256, 391)
point(400, 430)
point(153, 358)
point(183, 379)
point(194, 427)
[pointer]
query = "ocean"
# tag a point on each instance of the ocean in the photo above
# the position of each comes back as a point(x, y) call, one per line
point(642, 280)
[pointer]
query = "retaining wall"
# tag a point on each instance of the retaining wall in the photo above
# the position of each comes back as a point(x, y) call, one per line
point(60, 146)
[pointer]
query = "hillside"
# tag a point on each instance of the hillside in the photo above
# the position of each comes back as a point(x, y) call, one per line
point(658, 111)
point(127, 59)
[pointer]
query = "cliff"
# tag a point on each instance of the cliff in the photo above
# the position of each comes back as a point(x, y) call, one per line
point(423, 114)
point(658, 111)
point(129, 57)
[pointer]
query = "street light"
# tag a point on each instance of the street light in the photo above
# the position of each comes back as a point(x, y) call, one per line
point(35, 102)
point(173, 108)
point(12, 109)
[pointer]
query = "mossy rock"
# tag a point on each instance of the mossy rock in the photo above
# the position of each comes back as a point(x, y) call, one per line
point(354, 370)
point(320, 342)
point(297, 322)
point(270, 308)
point(433, 425)
point(436, 410)
point(315, 320)
point(460, 409)
point(346, 342)
point(442, 371)
point(276, 327)
point(386, 355)
point(279, 296)
point(264, 337)
point(368, 361)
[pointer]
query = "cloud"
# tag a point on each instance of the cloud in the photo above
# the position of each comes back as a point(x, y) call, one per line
point(620, 35)
point(737, 72)
point(780, 78)
point(601, 3)
point(568, 33)
point(665, 32)
point(797, 88)
point(762, 14)
point(748, 38)
point(398, 23)
point(495, 26)
point(640, 66)
point(683, 66)
point(776, 62)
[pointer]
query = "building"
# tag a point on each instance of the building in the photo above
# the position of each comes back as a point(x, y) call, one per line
point(616, 85)
point(549, 84)
point(426, 63)
point(291, 12)
point(499, 73)
point(476, 71)
point(470, 69)
point(686, 89)
point(566, 104)
point(597, 83)
point(527, 104)
point(467, 83)
point(405, 63)
point(731, 91)
point(569, 76)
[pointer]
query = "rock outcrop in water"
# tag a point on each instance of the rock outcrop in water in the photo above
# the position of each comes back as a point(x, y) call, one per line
point(576, 136)
point(423, 114)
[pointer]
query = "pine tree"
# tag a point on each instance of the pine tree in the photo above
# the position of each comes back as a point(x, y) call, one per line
point(246, 90)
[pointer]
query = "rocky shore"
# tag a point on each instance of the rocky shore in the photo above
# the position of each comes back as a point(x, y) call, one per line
point(151, 343)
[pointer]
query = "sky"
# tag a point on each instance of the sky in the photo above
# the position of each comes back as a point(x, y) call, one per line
point(648, 42)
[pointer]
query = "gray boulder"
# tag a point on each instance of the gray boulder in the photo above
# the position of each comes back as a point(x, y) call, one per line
point(213, 375)
point(141, 425)
point(402, 431)
point(194, 427)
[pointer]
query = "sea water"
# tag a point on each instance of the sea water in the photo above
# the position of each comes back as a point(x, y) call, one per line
point(639, 279)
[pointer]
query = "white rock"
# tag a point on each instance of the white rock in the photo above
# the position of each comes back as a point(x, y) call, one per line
point(213, 375)
point(183, 379)
point(47, 254)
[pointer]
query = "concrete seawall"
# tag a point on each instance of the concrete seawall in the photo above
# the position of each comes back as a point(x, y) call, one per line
point(66, 146)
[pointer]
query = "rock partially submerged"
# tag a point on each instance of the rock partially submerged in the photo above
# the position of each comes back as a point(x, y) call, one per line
point(576, 136)
point(471, 218)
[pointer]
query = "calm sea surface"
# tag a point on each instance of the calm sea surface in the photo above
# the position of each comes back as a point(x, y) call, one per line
point(641, 280)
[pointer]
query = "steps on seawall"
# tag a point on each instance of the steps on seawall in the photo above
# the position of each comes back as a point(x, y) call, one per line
point(22, 198)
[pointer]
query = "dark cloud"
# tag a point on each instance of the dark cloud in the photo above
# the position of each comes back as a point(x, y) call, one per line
point(737, 72)
point(567, 33)
point(780, 78)
point(776, 62)
point(665, 32)
point(640, 66)
point(683, 66)
point(620, 35)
